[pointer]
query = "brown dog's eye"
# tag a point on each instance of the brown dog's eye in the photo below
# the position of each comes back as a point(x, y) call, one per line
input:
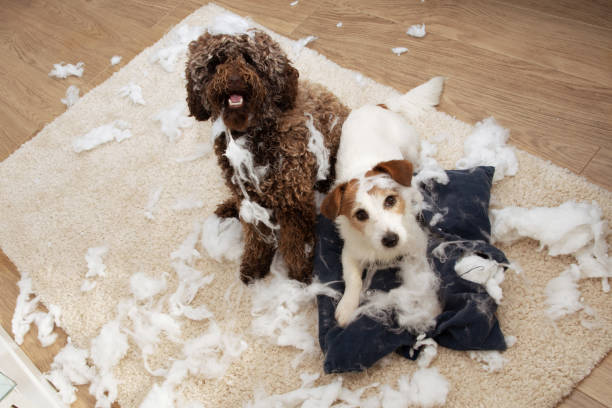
point(361, 215)
point(390, 201)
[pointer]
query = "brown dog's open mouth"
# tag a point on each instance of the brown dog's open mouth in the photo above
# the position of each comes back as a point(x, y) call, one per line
point(235, 101)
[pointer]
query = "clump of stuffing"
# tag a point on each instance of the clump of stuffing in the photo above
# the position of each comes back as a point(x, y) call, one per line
point(95, 267)
point(486, 272)
point(339, 25)
point(200, 150)
point(428, 168)
point(414, 305)
point(417, 30)
point(427, 388)
point(63, 71)
point(72, 96)
point(26, 313)
point(173, 119)
point(293, 4)
point(115, 59)
point(145, 287)
point(168, 56)
point(486, 146)
point(107, 349)
point(241, 159)
point(154, 196)
point(399, 50)
point(118, 130)
point(254, 213)
point(133, 92)
point(230, 24)
point(316, 146)
point(299, 45)
point(492, 360)
point(570, 229)
point(563, 295)
point(284, 309)
point(222, 238)
point(69, 368)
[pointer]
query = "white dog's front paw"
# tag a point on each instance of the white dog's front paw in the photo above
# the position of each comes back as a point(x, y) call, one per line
point(345, 310)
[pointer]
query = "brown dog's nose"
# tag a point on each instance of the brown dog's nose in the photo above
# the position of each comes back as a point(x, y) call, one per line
point(235, 79)
point(390, 239)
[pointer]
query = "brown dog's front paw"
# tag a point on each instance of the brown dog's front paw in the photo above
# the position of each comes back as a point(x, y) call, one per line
point(302, 273)
point(250, 273)
point(227, 209)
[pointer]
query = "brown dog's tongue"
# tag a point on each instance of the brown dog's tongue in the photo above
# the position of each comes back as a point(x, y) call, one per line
point(235, 100)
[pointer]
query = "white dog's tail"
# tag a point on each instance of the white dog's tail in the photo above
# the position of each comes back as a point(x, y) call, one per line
point(413, 103)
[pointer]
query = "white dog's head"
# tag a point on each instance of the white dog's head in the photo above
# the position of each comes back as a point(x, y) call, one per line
point(376, 213)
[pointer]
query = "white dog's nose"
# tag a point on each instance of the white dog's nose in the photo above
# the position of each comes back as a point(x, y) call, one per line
point(390, 239)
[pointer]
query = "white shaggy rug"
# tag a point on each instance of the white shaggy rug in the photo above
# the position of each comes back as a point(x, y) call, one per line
point(141, 202)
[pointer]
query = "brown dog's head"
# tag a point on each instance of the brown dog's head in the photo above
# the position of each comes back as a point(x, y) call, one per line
point(246, 78)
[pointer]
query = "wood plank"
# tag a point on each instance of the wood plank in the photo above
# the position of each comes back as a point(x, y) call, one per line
point(277, 15)
point(598, 386)
point(504, 28)
point(545, 110)
point(594, 12)
point(599, 170)
point(579, 399)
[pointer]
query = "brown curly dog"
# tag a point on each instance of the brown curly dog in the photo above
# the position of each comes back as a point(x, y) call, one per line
point(275, 139)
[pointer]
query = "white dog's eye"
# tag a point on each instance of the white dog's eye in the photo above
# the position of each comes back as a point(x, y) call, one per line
point(361, 215)
point(390, 201)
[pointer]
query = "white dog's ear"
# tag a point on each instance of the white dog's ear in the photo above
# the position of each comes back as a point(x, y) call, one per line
point(330, 207)
point(399, 170)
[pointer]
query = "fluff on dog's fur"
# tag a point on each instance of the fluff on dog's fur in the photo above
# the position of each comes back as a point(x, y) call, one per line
point(247, 85)
point(375, 208)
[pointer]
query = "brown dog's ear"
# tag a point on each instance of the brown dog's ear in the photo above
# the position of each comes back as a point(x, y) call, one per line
point(290, 88)
point(399, 170)
point(194, 99)
point(330, 207)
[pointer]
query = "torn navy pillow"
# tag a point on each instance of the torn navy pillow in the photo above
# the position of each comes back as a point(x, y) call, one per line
point(458, 223)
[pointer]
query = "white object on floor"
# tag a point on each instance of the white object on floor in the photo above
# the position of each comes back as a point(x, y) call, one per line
point(63, 71)
point(115, 60)
point(399, 50)
point(32, 391)
point(417, 30)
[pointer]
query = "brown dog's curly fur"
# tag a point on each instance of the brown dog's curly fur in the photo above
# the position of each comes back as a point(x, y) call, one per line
point(273, 121)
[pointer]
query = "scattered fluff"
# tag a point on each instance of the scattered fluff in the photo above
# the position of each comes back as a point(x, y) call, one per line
point(570, 229)
point(429, 350)
point(95, 265)
point(299, 45)
point(200, 150)
point(186, 251)
point(72, 96)
point(492, 360)
point(168, 56)
point(145, 287)
point(320, 397)
point(26, 313)
point(339, 24)
point(188, 203)
point(134, 92)
point(254, 213)
point(115, 59)
point(229, 24)
point(69, 368)
point(284, 309)
point(317, 147)
point(417, 30)
point(173, 119)
point(241, 159)
point(222, 238)
point(154, 196)
point(563, 296)
point(294, 3)
point(414, 304)
point(486, 146)
point(486, 272)
point(399, 50)
point(427, 388)
point(63, 71)
point(428, 168)
point(107, 349)
point(117, 130)
point(88, 285)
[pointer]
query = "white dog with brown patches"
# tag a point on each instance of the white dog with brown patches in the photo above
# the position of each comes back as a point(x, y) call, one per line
point(375, 209)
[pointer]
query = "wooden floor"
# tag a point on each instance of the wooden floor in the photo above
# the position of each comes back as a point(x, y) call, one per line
point(542, 68)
